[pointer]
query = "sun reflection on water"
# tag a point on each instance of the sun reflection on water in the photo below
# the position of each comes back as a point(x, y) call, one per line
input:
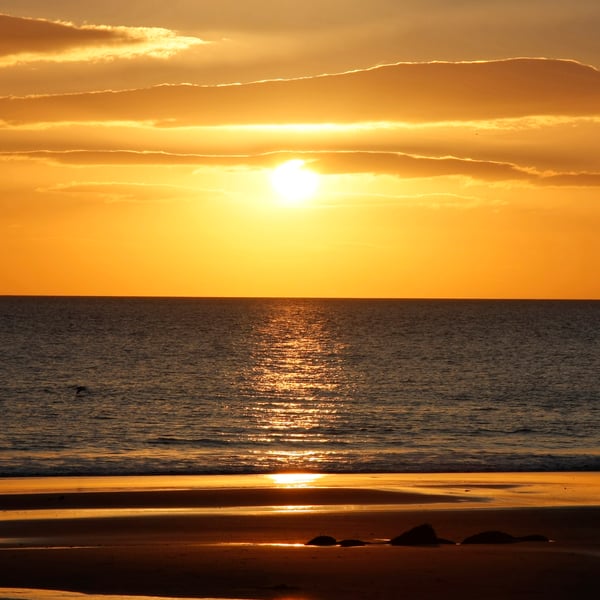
point(296, 373)
point(294, 479)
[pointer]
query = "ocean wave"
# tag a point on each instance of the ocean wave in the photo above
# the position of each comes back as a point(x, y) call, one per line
point(256, 386)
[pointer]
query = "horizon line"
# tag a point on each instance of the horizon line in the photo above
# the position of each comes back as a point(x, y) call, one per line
point(241, 297)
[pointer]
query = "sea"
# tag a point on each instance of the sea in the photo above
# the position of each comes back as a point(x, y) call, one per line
point(124, 386)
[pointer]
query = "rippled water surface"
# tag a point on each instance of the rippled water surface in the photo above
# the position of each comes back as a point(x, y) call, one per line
point(107, 385)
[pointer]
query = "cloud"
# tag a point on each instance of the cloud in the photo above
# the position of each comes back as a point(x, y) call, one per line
point(268, 39)
point(427, 201)
point(395, 164)
point(28, 40)
point(406, 165)
point(570, 179)
point(119, 157)
point(420, 92)
point(122, 192)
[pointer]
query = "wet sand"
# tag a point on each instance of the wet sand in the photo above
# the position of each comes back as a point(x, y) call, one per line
point(243, 537)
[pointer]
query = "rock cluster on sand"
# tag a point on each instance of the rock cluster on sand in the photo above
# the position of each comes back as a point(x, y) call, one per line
point(327, 540)
point(500, 537)
point(322, 540)
point(422, 535)
point(425, 535)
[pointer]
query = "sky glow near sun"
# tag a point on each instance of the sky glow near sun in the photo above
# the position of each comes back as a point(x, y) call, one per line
point(158, 150)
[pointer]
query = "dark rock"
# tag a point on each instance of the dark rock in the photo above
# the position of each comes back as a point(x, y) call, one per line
point(490, 537)
point(349, 543)
point(499, 537)
point(322, 540)
point(422, 535)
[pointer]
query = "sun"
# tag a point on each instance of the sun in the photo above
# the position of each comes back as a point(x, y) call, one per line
point(293, 182)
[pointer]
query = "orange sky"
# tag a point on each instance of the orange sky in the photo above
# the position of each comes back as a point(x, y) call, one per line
point(458, 148)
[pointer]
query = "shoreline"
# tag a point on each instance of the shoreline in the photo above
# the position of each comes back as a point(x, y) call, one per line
point(244, 536)
point(502, 489)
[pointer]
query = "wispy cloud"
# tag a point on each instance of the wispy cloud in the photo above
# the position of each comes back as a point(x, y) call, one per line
point(25, 40)
point(421, 92)
point(131, 192)
point(570, 179)
point(394, 164)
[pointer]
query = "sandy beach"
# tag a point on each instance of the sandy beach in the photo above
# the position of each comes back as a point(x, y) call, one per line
point(244, 536)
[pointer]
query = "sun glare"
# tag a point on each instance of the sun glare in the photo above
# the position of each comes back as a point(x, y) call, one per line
point(294, 479)
point(293, 182)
